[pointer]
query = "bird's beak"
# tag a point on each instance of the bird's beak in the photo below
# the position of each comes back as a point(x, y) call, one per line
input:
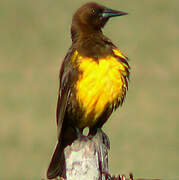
point(107, 13)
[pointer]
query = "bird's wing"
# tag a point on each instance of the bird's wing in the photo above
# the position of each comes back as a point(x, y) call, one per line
point(67, 74)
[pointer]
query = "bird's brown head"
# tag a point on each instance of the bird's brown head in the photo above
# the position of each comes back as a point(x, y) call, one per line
point(92, 17)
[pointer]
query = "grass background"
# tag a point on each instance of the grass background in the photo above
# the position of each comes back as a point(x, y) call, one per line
point(34, 37)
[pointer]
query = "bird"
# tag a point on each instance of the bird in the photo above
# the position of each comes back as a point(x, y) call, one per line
point(93, 80)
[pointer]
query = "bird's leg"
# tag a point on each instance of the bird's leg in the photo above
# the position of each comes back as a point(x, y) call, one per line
point(82, 134)
point(92, 132)
point(79, 133)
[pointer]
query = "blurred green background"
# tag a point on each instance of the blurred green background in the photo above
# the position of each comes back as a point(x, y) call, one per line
point(34, 38)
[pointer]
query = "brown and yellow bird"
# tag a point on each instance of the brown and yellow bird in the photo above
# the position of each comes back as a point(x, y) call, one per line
point(93, 80)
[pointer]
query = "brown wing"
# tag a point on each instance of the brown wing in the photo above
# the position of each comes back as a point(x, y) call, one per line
point(67, 74)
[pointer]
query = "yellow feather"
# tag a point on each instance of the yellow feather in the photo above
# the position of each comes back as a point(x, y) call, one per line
point(100, 83)
point(117, 52)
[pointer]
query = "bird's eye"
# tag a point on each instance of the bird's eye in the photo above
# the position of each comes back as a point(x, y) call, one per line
point(93, 11)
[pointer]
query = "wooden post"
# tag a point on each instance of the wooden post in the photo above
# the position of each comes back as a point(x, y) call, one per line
point(87, 158)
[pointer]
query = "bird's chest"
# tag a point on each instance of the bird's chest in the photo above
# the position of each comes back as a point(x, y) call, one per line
point(99, 85)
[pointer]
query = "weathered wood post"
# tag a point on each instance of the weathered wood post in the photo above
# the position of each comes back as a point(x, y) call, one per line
point(87, 158)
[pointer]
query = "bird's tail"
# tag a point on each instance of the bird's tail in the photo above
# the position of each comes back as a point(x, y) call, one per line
point(57, 163)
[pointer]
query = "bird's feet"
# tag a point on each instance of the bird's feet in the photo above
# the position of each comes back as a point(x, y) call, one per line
point(82, 134)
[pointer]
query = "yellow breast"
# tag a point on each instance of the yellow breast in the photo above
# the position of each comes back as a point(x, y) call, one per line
point(99, 84)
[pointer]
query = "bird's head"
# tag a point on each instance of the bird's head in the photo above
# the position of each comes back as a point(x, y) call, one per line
point(92, 16)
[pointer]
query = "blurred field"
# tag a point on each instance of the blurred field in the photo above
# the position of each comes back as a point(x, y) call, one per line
point(34, 37)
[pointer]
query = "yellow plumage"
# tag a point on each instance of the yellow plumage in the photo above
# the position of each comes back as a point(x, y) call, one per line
point(100, 83)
